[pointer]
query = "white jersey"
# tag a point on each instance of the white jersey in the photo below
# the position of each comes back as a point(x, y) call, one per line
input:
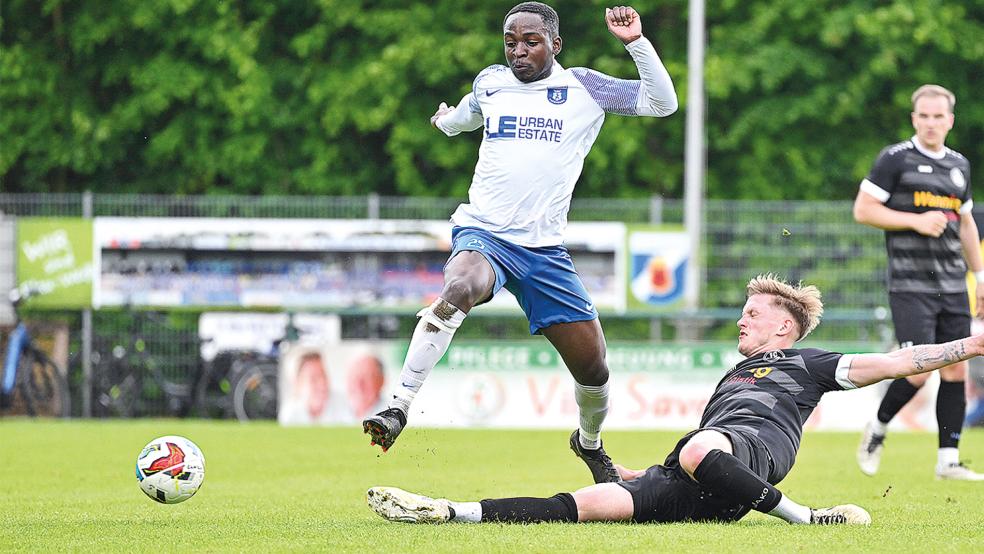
point(537, 136)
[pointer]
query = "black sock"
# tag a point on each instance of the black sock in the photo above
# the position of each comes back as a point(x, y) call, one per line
point(724, 475)
point(951, 404)
point(899, 393)
point(560, 507)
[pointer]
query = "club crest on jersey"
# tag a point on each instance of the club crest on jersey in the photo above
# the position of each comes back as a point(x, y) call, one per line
point(557, 95)
point(772, 355)
point(958, 178)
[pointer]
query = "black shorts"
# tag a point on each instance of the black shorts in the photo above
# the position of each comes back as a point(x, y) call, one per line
point(665, 493)
point(928, 318)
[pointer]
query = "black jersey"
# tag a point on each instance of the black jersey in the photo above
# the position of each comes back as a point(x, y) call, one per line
point(909, 179)
point(771, 395)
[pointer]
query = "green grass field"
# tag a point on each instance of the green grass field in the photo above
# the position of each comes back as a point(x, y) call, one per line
point(69, 486)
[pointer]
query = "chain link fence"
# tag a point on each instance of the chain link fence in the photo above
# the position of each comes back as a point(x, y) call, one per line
point(816, 242)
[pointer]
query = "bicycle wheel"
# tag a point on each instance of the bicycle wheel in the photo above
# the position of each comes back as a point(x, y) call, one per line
point(116, 387)
point(254, 396)
point(44, 386)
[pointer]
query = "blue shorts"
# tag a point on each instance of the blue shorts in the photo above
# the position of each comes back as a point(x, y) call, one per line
point(542, 279)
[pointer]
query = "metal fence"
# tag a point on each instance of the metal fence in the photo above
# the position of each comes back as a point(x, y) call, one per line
point(817, 242)
point(328, 207)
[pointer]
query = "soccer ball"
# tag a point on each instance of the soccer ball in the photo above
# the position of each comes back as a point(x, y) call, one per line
point(170, 469)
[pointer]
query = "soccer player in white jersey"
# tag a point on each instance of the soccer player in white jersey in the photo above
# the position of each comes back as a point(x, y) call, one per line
point(539, 121)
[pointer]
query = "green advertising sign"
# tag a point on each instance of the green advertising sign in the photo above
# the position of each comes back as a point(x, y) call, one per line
point(623, 356)
point(54, 260)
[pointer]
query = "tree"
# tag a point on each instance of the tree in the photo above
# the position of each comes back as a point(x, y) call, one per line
point(333, 97)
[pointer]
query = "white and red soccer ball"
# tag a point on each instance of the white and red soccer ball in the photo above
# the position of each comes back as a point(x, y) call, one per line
point(170, 469)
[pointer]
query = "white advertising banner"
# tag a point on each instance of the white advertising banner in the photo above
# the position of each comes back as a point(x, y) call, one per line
point(524, 384)
point(382, 265)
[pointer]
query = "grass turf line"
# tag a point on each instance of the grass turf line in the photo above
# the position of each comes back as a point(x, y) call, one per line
point(70, 486)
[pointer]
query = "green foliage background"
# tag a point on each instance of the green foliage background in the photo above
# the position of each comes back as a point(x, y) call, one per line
point(333, 97)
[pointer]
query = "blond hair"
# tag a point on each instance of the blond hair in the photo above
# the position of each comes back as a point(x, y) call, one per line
point(802, 302)
point(932, 91)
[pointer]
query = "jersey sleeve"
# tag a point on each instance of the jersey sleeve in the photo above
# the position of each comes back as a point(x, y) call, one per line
point(828, 369)
point(652, 95)
point(968, 199)
point(467, 115)
point(884, 175)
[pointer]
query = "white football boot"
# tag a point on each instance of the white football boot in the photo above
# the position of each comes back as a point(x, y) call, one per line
point(870, 450)
point(958, 472)
point(845, 514)
point(399, 505)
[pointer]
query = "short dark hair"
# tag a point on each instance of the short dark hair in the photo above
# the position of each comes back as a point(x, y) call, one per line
point(550, 18)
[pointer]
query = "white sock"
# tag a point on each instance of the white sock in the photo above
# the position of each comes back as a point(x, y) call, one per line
point(947, 456)
point(791, 511)
point(467, 512)
point(879, 428)
point(592, 402)
point(429, 343)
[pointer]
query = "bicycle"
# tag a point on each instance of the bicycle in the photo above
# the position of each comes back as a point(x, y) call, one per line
point(128, 376)
point(255, 393)
point(229, 383)
point(30, 377)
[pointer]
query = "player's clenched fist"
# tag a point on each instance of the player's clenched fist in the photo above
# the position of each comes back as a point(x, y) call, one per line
point(624, 23)
point(441, 110)
point(931, 223)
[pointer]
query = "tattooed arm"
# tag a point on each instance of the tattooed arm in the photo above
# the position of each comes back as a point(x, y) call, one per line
point(871, 368)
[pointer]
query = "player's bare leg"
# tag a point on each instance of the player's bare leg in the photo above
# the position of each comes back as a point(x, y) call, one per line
point(600, 502)
point(468, 279)
point(582, 346)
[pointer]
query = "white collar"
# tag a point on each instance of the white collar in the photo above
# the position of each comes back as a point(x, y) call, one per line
point(926, 151)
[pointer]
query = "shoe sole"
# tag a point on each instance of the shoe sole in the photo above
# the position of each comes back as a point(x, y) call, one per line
point(397, 505)
point(378, 434)
point(867, 470)
point(867, 465)
point(955, 478)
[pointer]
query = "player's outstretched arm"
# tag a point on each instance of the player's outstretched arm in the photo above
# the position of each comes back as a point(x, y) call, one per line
point(453, 120)
point(867, 369)
point(657, 96)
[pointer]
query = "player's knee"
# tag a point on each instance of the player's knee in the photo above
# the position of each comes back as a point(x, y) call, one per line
point(699, 446)
point(954, 372)
point(692, 454)
point(465, 289)
point(462, 292)
point(591, 375)
point(919, 380)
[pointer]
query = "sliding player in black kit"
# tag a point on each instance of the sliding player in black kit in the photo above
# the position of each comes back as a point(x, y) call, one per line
point(746, 442)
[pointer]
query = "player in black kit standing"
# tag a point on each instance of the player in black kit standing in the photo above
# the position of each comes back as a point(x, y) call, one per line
point(747, 439)
point(918, 191)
